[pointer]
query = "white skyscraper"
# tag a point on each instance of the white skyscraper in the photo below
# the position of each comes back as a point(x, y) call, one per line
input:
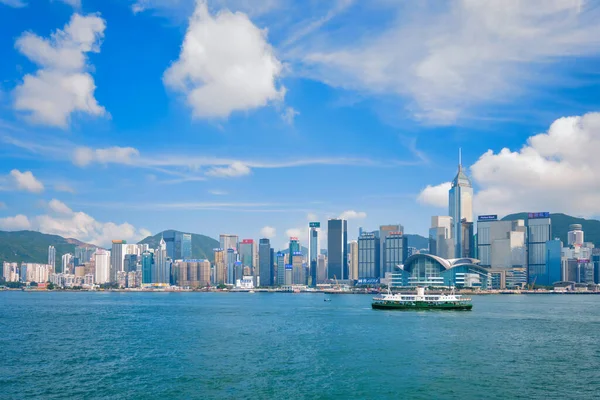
point(102, 262)
point(66, 260)
point(460, 206)
point(52, 257)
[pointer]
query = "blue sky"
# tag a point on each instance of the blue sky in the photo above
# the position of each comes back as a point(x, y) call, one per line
point(119, 118)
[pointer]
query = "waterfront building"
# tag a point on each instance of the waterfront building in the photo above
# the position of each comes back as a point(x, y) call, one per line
point(396, 248)
point(539, 232)
point(220, 266)
point(102, 260)
point(460, 202)
point(147, 266)
point(337, 253)
point(321, 268)
point(294, 246)
point(67, 262)
point(429, 270)
point(467, 240)
point(227, 242)
point(313, 250)
point(280, 261)
point(384, 231)
point(117, 257)
point(441, 243)
point(501, 244)
point(352, 260)
point(52, 257)
point(83, 254)
point(288, 274)
point(191, 273)
point(368, 255)
point(246, 251)
point(298, 270)
point(577, 261)
point(10, 271)
point(265, 263)
point(34, 272)
point(231, 260)
point(179, 244)
point(161, 272)
point(552, 272)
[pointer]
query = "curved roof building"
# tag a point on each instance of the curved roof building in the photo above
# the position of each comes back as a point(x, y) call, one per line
point(430, 270)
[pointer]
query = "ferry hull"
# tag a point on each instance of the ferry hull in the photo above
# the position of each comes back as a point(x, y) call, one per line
point(422, 306)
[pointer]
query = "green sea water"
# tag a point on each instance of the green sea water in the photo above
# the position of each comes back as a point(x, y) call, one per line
point(294, 346)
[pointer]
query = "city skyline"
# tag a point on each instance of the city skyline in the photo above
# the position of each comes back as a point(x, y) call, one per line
point(375, 148)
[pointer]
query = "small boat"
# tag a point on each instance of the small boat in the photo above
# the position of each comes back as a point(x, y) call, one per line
point(421, 301)
point(326, 299)
point(251, 291)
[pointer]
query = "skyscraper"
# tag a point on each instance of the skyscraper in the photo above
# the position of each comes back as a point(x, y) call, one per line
point(232, 258)
point(384, 231)
point(539, 232)
point(368, 255)
point(179, 245)
point(147, 266)
point(396, 249)
point(220, 267)
point(66, 261)
point(337, 253)
point(52, 257)
point(313, 250)
point(227, 242)
point(294, 246)
point(116, 258)
point(162, 264)
point(441, 243)
point(265, 263)
point(298, 273)
point(247, 253)
point(460, 206)
point(280, 268)
point(186, 248)
point(352, 260)
point(102, 262)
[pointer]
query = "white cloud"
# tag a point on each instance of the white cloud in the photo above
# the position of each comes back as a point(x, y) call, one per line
point(554, 171)
point(63, 187)
point(447, 58)
point(59, 207)
point(288, 115)
point(26, 181)
point(83, 156)
point(73, 3)
point(225, 65)
point(351, 214)
point(217, 192)
point(295, 232)
point(14, 3)
point(61, 86)
point(436, 196)
point(234, 170)
point(17, 223)
point(268, 232)
point(71, 224)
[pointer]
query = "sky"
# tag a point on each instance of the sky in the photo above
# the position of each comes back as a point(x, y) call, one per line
point(122, 118)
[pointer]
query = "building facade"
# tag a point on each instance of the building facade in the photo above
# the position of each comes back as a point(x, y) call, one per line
point(368, 255)
point(396, 249)
point(441, 243)
point(460, 202)
point(539, 232)
point(384, 231)
point(353, 260)
point(337, 252)
point(313, 250)
point(52, 257)
point(265, 263)
point(280, 261)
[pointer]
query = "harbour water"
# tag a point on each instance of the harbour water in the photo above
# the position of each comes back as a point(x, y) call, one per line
point(293, 346)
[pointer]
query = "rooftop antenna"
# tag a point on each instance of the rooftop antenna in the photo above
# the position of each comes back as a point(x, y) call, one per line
point(459, 156)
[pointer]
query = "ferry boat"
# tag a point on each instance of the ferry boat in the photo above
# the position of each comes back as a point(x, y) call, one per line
point(421, 301)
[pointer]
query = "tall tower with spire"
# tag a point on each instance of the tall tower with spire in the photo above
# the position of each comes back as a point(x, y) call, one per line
point(460, 205)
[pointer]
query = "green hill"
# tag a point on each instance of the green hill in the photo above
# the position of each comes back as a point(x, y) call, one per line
point(417, 241)
point(560, 226)
point(202, 246)
point(31, 246)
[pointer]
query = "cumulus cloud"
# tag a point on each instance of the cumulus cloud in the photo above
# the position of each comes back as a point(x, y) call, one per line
point(17, 223)
point(447, 58)
point(268, 232)
point(351, 214)
point(225, 65)
point(62, 85)
point(63, 221)
point(234, 170)
point(554, 171)
point(295, 232)
point(436, 196)
point(26, 181)
point(59, 207)
point(83, 156)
